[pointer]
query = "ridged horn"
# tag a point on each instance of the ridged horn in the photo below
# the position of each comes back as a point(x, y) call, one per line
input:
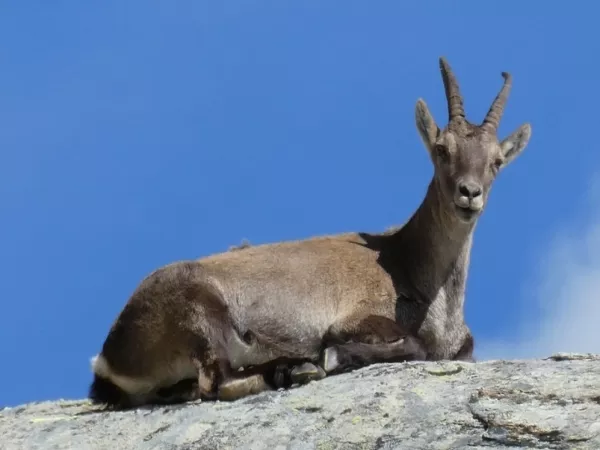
point(455, 101)
point(492, 119)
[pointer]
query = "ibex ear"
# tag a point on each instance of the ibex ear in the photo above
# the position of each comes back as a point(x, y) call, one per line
point(515, 143)
point(427, 127)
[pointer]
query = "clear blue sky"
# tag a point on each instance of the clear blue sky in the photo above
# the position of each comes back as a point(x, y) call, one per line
point(134, 134)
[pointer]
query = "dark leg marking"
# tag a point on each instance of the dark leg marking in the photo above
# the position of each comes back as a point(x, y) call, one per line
point(349, 345)
point(352, 344)
point(285, 372)
point(373, 339)
point(367, 330)
point(343, 357)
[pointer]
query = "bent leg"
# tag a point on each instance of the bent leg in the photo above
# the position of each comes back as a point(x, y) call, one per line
point(285, 372)
point(358, 342)
point(215, 381)
point(236, 387)
point(343, 357)
point(370, 329)
point(353, 343)
point(238, 384)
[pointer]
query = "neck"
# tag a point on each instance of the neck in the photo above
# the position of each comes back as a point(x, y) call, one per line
point(439, 245)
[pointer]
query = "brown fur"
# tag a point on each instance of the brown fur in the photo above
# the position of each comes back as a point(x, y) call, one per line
point(341, 301)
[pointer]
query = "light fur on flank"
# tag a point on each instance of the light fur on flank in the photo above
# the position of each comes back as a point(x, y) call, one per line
point(326, 303)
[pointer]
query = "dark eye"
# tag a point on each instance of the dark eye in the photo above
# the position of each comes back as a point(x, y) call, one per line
point(498, 163)
point(442, 152)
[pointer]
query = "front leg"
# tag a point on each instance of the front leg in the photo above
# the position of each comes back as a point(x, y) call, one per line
point(352, 343)
point(284, 372)
point(370, 329)
point(340, 358)
point(357, 343)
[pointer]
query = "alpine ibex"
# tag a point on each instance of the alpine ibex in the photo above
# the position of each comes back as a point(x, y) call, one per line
point(325, 303)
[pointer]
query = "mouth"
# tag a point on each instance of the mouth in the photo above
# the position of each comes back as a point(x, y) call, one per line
point(466, 214)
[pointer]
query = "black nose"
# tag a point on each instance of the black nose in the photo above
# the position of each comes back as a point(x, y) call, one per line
point(469, 189)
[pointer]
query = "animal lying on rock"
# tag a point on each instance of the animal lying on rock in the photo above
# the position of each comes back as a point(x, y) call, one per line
point(319, 305)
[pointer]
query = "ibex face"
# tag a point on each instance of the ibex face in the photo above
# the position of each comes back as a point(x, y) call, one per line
point(467, 157)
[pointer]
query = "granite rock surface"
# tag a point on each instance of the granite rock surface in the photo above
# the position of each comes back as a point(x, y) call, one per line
point(551, 403)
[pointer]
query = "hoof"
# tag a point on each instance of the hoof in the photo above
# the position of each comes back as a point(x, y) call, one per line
point(330, 360)
point(235, 388)
point(306, 372)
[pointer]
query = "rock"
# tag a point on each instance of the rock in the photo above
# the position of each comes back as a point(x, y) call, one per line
point(552, 404)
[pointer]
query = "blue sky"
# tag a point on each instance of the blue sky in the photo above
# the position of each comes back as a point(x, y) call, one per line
point(136, 134)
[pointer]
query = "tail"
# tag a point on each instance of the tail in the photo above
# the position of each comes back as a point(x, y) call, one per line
point(103, 391)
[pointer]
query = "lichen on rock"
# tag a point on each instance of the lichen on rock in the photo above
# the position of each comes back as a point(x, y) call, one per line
point(552, 403)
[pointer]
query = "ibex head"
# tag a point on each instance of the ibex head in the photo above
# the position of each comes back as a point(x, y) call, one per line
point(468, 157)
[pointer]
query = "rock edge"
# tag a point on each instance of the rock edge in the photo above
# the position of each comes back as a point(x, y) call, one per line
point(551, 403)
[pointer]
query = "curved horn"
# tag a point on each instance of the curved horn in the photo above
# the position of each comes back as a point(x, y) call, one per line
point(492, 119)
point(455, 101)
